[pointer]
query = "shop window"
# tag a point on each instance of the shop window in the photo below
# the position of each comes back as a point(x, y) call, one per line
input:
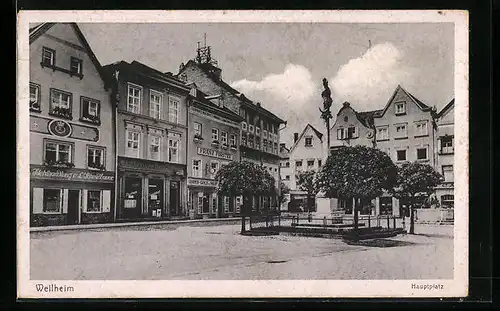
point(155, 147)
point(155, 196)
point(133, 144)
point(58, 153)
point(173, 110)
point(155, 103)
point(90, 110)
point(94, 202)
point(52, 200)
point(385, 205)
point(75, 66)
point(448, 173)
point(134, 98)
point(421, 153)
point(35, 97)
point(226, 204)
point(60, 104)
point(95, 158)
point(197, 168)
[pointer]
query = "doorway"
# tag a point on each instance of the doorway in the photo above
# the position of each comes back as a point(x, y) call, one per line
point(133, 197)
point(174, 198)
point(73, 207)
point(155, 197)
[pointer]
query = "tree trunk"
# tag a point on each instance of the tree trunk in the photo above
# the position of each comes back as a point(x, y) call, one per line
point(242, 211)
point(355, 211)
point(412, 219)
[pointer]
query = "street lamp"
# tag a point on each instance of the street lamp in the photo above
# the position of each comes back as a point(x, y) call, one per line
point(326, 113)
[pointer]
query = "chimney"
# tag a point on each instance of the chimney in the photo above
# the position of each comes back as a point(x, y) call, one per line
point(295, 137)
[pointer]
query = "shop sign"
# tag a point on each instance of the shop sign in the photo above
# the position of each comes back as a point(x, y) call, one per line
point(70, 175)
point(215, 153)
point(150, 166)
point(201, 182)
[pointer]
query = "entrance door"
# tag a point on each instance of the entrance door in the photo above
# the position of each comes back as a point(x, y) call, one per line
point(73, 206)
point(155, 197)
point(174, 198)
point(133, 197)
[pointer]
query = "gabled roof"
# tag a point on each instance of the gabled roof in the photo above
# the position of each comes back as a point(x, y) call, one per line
point(207, 68)
point(364, 117)
point(202, 102)
point(417, 102)
point(318, 134)
point(37, 31)
point(446, 108)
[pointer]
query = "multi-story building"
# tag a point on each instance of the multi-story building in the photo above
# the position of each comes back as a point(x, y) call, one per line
point(72, 156)
point(213, 141)
point(259, 130)
point(445, 154)
point(307, 153)
point(151, 131)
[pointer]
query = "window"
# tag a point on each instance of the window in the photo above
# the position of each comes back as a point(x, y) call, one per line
point(134, 98)
point(48, 56)
point(244, 126)
point(233, 140)
point(244, 139)
point(421, 128)
point(383, 133)
point(214, 167)
point(196, 168)
point(257, 143)
point(287, 164)
point(287, 177)
point(215, 134)
point(60, 103)
point(75, 66)
point(310, 163)
point(34, 97)
point(447, 200)
point(94, 201)
point(52, 200)
point(198, 128)
point(447, 144)
point(340, 134)
point(58, 152)
point(298, 163)
point(250, 141)
point(223, 136)
point(250, 128)
point(264, 145)
point(257, 130)
point(448, 173)
point(400, 108)
point(155, 147)
point(95, 157)
point(133, 143)
point(319, 163)
point(421, 153)
point(401, 131)
point(90, 110)
point(173, 150)
point(155, 103)
point(401, 155)
point(352, 132)
point(173, 110)
point(308, 142)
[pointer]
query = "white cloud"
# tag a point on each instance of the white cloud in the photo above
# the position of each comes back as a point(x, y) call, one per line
point(294, 86)
point(368, 81)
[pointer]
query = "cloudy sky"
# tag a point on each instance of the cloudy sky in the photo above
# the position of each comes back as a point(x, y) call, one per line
point(282, 65)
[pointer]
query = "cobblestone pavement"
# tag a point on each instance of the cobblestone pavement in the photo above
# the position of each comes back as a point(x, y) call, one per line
point(219, 252)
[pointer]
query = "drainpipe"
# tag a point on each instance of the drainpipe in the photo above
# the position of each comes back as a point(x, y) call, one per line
point(279, 169)
point(187, 197)
point(114, 101)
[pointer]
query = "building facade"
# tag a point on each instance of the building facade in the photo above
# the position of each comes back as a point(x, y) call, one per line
point(72, 146)
point(445, 154)
point(151, 132)
point(259, 132)
point(213, 141)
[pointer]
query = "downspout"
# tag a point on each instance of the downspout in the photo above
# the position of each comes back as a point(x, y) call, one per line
point(114, 101)
point(187, 197)
point(279, 168)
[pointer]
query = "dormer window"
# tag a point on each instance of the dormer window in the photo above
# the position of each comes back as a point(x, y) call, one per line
point(48, 57)
point(400, 108)
point(308, 142)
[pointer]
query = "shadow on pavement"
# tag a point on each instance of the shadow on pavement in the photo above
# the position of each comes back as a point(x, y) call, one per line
point(381, 243)
point(435, 235)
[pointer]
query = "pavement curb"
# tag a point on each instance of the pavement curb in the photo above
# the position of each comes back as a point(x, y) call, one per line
point(130, 224)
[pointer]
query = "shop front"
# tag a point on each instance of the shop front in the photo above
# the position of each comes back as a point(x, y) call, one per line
point(69, 196)
point(150, 189)
point(204, 202)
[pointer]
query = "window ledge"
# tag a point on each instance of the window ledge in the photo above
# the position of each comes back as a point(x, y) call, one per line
point(69, 72)
point(446, 153)
point(397, 138)
point(85, 120)
point(96, 169)
point(52, 213)
point(94, 212)
point(67, 117)
point(400, 113)
point(385, 139)
point(424, 135)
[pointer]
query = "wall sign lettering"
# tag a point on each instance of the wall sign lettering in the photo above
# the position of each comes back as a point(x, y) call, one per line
point(215, 153)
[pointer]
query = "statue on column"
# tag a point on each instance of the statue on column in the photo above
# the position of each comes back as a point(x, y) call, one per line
point(327, 101)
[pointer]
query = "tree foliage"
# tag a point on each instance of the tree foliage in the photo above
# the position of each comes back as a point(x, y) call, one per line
point(357, 172)
point(306, 181)
point(283, 190)
point(244, 178)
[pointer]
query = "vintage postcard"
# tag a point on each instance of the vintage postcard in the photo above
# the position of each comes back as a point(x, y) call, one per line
point(259, 154)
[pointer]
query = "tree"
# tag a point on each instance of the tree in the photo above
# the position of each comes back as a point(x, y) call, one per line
point(306, 182)
point(245, 179)
point(284, 190)
point(358, 172)
point(415, 182)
